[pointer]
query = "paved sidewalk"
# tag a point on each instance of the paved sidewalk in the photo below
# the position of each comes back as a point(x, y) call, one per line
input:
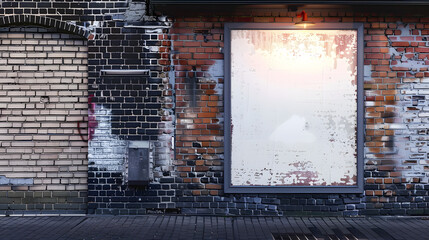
point(203, 227)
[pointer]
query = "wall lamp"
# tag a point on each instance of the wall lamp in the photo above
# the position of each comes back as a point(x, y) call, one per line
point(304, 21)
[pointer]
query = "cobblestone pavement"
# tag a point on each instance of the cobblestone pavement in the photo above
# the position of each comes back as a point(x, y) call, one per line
point(205, 227)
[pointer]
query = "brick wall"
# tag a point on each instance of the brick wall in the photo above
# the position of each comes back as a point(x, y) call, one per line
point(396, 171)
point(396, 99)
point(153, 108)
point(43, 96)
point(121, 108)
point(130, 109)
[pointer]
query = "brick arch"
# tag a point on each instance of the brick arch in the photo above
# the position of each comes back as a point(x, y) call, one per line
point(45, 22)
point(44, 116)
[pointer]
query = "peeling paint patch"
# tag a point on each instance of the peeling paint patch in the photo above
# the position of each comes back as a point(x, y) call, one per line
point(106, 151)
point(136, 12)
point(406, 147)
point(367, 71)
point(400, 58)
point(216, 70)
point(15, 181)
point(91, 28)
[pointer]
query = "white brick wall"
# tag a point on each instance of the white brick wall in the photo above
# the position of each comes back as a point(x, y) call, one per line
point(43, 96)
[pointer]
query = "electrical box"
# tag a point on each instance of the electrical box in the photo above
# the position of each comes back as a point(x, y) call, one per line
point(138, 163)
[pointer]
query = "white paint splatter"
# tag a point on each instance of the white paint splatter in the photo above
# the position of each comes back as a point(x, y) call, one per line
point(106, 150)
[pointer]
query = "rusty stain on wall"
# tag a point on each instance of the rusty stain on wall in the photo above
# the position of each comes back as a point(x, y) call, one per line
point(293, 107)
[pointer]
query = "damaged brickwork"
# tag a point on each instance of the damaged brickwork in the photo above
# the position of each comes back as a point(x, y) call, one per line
point(395, 66)
point(396, 100)
point(174, 105)
point(121, 109)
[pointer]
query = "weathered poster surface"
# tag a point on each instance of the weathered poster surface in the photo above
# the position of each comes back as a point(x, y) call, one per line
point(293, 107)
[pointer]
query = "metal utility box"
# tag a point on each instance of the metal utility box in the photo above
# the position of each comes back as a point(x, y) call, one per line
point(138, 163)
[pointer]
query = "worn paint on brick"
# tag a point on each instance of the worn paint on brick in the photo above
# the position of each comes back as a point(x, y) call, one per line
point(282, 136)
point(106, 151)
point(406, 148)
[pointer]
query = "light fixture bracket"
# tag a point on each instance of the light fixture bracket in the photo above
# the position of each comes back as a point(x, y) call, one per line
point(304, 21)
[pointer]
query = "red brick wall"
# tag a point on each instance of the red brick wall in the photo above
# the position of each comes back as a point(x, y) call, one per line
point(396, 93)
point(199, 125)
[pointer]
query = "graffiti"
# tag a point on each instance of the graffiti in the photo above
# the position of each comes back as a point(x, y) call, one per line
point(92, 121)
point(79, 127)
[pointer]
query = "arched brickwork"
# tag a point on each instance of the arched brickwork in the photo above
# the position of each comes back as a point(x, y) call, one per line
point(45, 22)
point(43, 78)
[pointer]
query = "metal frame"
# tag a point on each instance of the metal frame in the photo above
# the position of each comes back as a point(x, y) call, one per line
point(360, 110)
point(124, 72)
